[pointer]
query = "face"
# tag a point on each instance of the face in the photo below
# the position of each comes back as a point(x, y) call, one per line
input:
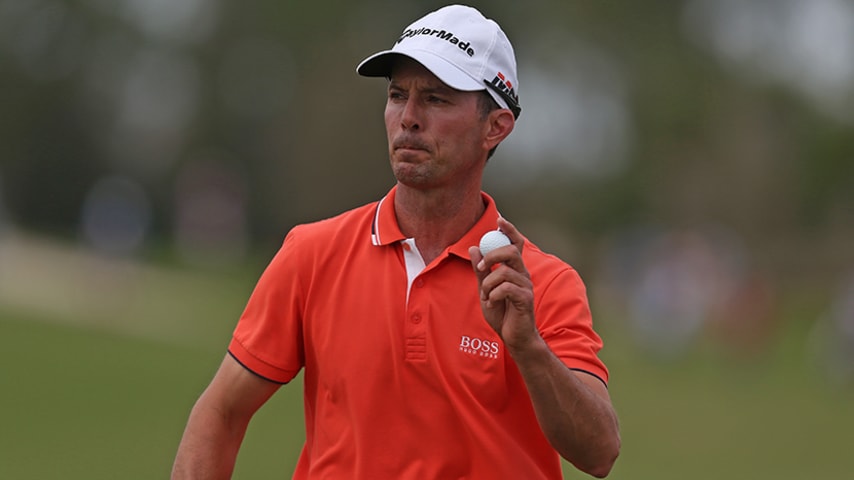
point(436, 134)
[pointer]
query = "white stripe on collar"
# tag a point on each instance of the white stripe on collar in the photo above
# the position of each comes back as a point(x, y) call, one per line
point(375, 228)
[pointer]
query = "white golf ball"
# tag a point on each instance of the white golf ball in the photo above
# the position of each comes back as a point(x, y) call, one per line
point(492, 240)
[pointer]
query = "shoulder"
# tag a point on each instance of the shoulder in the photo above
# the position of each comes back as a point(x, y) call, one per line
point(546, 269)
point(352, 223)
point(543, 263)
point(308, 246)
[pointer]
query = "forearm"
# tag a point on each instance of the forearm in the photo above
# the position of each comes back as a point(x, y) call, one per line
point(218, 422)
point(578, 421)
point(209, 447)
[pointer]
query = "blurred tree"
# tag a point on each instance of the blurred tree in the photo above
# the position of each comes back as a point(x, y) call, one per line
point(649, 123)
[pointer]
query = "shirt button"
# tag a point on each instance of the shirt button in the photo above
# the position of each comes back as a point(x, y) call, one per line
point(416, 318)
point(419, 283)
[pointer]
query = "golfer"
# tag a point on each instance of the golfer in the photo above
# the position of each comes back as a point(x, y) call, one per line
point(422, 359)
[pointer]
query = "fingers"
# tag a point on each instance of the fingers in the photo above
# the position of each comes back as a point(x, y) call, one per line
point(510, 255)
point(501, 273)
point(512, 233)
point(505, 283)
point(476, 260)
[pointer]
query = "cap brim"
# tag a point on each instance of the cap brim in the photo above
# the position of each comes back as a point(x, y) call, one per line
point(380, 65)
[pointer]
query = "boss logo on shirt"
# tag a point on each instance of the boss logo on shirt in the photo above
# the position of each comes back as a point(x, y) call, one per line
point(479, 347)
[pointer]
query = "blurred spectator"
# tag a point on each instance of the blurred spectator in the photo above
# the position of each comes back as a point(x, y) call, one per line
point(832, 339)
point(211, 224)
point(116, 215)
point(4, 218)
point(671, 301)
point(747, 318)
point(671, 284)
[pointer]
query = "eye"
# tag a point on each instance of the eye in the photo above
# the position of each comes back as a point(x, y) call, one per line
point(435, 99)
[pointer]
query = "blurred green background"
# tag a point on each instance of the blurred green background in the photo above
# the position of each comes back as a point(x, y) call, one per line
point(694, 160)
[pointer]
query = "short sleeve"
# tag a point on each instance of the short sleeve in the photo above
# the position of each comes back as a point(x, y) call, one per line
point(566, 324)
point(268, 339)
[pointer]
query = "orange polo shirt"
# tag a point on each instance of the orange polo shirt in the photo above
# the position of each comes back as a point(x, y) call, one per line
point(404, 378)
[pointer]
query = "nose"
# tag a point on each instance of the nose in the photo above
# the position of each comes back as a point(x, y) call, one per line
point(410, 118)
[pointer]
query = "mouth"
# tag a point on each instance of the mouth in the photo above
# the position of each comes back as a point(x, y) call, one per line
point(406, 151)
point(408, 145)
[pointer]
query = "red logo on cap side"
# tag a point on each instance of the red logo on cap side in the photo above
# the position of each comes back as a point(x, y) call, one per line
point(504, 86)
point(504, 79)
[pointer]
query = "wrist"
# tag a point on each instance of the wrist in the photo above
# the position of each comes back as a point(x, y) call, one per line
point(528, 348)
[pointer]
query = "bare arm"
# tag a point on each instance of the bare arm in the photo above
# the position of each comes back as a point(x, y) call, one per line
point(218, 422)
point(573, 408)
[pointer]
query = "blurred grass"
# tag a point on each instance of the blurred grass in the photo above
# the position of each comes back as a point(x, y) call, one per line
point(85, 404)
point(709, 416)
point(79, 401)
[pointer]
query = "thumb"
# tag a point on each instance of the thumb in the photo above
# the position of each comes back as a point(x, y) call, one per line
point(476, 260)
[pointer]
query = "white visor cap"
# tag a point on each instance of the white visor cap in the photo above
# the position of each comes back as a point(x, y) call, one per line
point(464, 49)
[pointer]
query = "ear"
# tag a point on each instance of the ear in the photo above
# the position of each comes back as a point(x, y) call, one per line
point(499, 124)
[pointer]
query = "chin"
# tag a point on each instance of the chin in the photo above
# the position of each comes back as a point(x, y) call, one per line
point(412, 176)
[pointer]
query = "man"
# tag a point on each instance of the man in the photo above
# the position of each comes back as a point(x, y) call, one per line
point(423, 358)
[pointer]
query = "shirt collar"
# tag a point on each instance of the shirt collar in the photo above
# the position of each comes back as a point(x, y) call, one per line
point(385, 230)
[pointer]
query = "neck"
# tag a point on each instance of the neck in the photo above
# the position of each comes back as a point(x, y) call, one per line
point(436, 219)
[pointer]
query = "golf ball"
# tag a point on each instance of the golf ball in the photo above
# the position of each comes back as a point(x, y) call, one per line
point(492, 240)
